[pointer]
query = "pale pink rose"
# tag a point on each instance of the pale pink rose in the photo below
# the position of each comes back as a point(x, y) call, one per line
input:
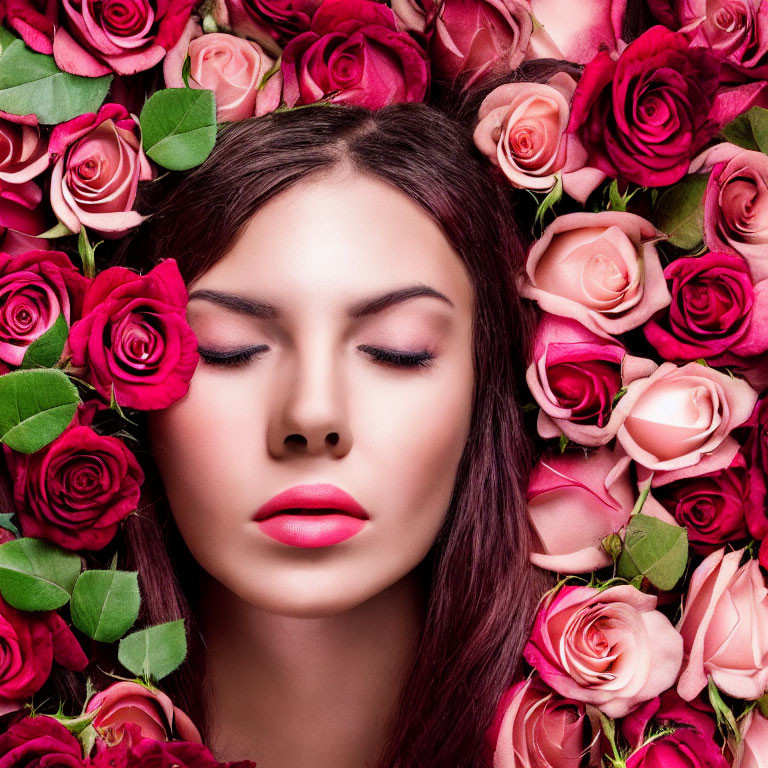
point(23, 151)
point(752, 750)
point(148, 708)
point(535, 728)
point(677, 416)
point(580, 36)
point(601, 269)
point(231, 67)
point(575, 376)
point(725, 614)
point(609, 648)
point(99, 162)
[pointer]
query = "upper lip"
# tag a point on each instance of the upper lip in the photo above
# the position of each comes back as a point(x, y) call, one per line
point(318, 496)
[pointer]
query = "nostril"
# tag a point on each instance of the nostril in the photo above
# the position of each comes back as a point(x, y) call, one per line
point(295, 440)
point(333, 438)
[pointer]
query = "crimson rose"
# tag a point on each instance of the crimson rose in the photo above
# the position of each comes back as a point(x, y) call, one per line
point(642, 117)
point(134, 338)
point(39, 741)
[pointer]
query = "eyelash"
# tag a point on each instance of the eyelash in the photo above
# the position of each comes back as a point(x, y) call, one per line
point(423, 358)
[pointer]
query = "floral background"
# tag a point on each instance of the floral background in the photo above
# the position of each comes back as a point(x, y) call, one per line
point(636, 134)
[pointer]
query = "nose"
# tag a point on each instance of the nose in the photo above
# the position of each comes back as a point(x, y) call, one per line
point(309, 416)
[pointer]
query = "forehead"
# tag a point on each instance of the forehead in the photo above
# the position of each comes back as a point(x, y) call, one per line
point(334, 238)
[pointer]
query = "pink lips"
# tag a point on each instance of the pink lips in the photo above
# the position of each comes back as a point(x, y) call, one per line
point(341, 516)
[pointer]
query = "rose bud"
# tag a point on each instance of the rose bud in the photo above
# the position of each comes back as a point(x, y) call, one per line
point(354, 54)
point(679, 418)
point(643, 117)
point(31, 641)
point(134, 340)
point(535, 727)
point(600, 269)
point(609, 648)
point(35, 21)
point(35, 288)
point(471, 37)
point(97, 39)
point(99, 163)
point(723, 628)
point(148, 708)
point(23, 151)
point(575, 377)
point(40, 741)
point(752, 749)
point(230, 66)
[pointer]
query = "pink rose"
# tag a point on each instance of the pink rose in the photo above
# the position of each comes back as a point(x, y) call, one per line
point(601, 269)
point(133, 339)
point(535, 727)
point(23, 151)
point(581, 36)
point(31, 642)
point(609, 648)
point(752, 750)
point(679, 418)
point(124, 37)
point(99, 163)
point(472, 37)
point(355, 54)
point(35, 288)
point(21, 218)
point(723, 628)
point(148, 708)
point(643, 117)
point(575, 376)
point(35, 21)
point(42, 742)
point(230, 66)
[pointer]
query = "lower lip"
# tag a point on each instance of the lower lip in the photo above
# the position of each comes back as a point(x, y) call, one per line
point(310, 531)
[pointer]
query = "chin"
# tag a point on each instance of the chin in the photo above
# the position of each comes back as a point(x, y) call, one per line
point(309, 603)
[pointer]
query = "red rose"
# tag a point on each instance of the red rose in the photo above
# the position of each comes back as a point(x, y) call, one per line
point(30, 642)
point(40, 742)
point(134, 338)
point(76, 490)
point(355, 54)
point(35, 288)
point(21, 217)
point(756, 450)
point(642, 117)
point(266, 21)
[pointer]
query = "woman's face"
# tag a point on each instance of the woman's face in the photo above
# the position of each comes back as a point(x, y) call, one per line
point(322, 277)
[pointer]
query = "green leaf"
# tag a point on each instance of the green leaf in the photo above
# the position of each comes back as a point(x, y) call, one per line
point(31, 83)
point(105, 604)
point(36, 575)
point(739, 132)
point(186, 68)
point(550, 200)
point(680, 211)
point(6, 38)
point(655, 550)
point(563, 443)
point(35, 407)
point(178, 127)
point(154, 652)
point(46, 350)
point(758, 120)
point(86, 251)
point(5, 522)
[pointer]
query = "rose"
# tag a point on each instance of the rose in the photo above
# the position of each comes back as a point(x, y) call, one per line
point(268, 21)
point(125, 37)
point(535, 727)
point(40, 741)
point(230, 66)
point(35, 288)
point(473, 36)
point(643, 117)
point(678, 418)
point(35, 21)
point(580, 36)
point(31, 642)
point(99, 163)
point(608, 648)
point(21, 217)
point(134, 339)
point(148, 708)
point(690, 745)
point(711, 506)
point(354, 54)
point(23, 151)
point(723, 628)
point(599, 269)
point(76, 490)
point(756, 449)
point(752, 750)
point(575, 377)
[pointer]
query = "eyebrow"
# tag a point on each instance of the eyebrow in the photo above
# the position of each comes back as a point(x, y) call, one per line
point(363, 308)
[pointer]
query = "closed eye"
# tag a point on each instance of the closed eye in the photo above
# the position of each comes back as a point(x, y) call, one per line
point(230, 357)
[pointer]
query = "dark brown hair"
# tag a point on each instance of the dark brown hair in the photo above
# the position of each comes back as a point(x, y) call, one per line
point(482, 591)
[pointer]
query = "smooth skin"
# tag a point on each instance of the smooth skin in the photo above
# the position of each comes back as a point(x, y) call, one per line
point(308, 648)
